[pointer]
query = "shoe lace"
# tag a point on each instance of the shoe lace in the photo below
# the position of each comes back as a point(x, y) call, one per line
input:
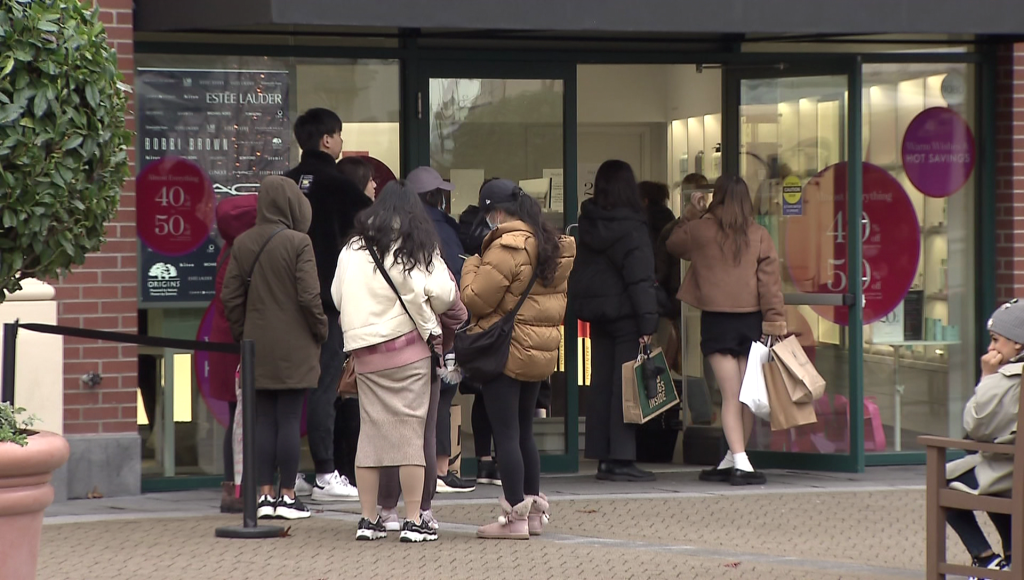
point(428, 520)
point(343, 480)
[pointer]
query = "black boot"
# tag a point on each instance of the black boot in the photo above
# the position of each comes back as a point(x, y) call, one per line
point(613, 470)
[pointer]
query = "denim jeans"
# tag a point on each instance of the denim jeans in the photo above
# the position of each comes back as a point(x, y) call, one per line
point(965, 523)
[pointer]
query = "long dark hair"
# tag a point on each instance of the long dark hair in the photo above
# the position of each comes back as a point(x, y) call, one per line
point(357, 169)
point(527, 210)
point(732, 207)
point(615, 187)
point(397, 220)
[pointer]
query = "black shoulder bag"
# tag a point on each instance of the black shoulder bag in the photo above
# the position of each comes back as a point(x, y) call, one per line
point(435, 358)
point(483, 355)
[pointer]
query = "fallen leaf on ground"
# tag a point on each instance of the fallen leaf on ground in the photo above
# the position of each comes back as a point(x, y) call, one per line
point(286, 532)
point(732, 565)
point(587, 511)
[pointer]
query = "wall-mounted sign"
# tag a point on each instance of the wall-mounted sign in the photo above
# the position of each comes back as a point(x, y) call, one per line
point(203, 135)
point(938, 152)
point(817, 242)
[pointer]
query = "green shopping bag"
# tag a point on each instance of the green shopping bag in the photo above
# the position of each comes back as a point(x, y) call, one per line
point(647, 387)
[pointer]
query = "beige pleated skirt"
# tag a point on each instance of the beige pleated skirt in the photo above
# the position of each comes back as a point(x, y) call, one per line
point(392, 414)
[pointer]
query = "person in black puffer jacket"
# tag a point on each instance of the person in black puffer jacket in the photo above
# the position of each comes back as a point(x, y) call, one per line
point(612, 287)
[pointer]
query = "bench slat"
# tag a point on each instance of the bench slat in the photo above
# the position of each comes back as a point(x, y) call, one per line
point(961, 570)
point(952, 498)
point(965, 444)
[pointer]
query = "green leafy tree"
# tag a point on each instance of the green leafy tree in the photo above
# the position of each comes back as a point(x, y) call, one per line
point(63, 142)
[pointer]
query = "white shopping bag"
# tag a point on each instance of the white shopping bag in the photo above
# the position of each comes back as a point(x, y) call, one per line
point(236, 430)
point(753, 392)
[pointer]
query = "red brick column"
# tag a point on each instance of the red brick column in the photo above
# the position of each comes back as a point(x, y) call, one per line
point(1010, 173)
point(102, 294)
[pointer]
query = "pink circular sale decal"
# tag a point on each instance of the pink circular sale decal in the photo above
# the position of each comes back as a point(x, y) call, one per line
point(174, 203)
point(938, 152)
point(817, 242)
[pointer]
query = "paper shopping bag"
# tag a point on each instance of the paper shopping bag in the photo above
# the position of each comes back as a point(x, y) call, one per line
point(647, 388)
point(804, 383)
point(785, 414)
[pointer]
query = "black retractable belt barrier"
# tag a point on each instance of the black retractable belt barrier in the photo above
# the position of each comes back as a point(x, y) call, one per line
point(248, 529)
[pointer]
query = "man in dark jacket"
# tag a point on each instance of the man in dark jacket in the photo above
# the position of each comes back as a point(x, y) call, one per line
point(335, 201)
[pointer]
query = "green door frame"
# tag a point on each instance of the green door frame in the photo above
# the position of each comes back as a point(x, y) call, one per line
point(427, 68)
point(850, 67)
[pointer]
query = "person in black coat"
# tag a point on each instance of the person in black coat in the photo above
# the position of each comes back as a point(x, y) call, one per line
point(612, 287)
point(335, 200)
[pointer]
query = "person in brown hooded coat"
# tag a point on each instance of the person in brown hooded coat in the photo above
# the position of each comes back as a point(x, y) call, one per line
point(271, 295)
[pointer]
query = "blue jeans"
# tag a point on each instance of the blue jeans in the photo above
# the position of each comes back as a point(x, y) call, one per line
point(320, 412)
point(965, 523)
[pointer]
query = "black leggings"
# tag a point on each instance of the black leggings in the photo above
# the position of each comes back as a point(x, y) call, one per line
point(965, 523)
point(278, 413)
point(229, 451)
point(510, 406)
point(481, 428)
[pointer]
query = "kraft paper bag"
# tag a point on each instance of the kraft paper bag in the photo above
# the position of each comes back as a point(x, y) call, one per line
point(785, 414)
point(804, 383)
point(640, 404)
point(455, 461)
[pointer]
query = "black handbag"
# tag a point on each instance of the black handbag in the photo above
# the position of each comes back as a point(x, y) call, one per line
point(483, 355)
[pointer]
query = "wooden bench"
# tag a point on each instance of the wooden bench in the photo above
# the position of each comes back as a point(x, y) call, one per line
point(939, 498)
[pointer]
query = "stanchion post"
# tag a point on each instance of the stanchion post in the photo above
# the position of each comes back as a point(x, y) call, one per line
point(249, 528)
point(9, 354)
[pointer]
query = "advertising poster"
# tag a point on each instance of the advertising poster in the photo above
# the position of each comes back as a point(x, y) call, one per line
point(203, 135)
point(938, 152)
point(817, 242)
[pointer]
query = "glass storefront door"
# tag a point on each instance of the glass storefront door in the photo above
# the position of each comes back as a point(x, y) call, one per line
point(791, 146)
point(479, 121)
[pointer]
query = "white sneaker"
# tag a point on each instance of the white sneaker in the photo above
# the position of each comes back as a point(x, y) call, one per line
point(392, 522)
point(302, 486)
point(336, 488)
point(428, 519)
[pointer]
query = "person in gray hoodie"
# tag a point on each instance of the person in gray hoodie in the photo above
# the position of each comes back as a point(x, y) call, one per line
point(991, 417)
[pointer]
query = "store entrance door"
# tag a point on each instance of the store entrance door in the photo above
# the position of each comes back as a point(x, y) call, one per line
point(793, 136)
point(481, 120)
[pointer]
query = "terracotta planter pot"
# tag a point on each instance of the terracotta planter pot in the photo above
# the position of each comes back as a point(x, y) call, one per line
point(25, 491)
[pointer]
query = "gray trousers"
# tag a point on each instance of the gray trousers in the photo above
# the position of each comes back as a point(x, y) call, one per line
point(390, 484)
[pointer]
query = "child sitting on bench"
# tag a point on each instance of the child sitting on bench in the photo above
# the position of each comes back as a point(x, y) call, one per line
point(991, 417)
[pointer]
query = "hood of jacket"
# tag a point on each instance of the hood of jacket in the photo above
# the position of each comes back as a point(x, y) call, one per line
point(600, 229)
point(281, 202)
point(235, 215)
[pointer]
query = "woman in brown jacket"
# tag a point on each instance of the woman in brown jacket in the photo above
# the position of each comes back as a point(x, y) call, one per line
point(271, 295)
point(521, 242)
point(734, 280)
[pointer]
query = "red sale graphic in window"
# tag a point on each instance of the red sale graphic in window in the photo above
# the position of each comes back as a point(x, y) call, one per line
point(175, 204)
point(817, 242)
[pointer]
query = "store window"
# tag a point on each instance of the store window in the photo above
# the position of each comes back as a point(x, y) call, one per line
point(228, 120)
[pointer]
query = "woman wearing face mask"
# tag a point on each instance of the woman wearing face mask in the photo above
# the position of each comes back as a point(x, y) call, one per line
point(520, 246)
point(613, 289)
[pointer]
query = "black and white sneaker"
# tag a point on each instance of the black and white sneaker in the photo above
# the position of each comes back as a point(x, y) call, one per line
point(993, 562)
point(369, 531)
point(421, 532)
point(266, 508)
point(452, 483)
point(291, 509)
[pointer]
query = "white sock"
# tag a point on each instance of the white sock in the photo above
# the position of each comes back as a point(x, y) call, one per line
point(728, 462)
point(742, 462)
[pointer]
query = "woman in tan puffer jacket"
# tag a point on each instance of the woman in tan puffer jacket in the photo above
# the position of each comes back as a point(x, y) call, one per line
point(520, 243)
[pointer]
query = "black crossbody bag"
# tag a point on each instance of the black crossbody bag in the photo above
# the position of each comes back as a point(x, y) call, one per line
point(482, 356)
point(435, 358)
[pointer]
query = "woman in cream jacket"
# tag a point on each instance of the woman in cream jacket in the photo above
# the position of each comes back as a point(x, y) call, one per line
point(389, 340)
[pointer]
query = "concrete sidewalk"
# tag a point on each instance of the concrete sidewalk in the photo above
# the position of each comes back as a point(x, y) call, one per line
point(801, 525)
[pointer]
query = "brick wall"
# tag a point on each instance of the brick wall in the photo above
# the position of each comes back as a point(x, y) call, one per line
point(102, 294)
point(1010, 174)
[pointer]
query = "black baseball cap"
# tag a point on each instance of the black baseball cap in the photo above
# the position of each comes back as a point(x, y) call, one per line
point(498, 191)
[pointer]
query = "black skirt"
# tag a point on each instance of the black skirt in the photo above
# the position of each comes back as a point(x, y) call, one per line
point(729, 332)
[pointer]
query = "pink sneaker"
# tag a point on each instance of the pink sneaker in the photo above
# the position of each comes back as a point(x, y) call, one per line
point(539, 515)
point(513, 523)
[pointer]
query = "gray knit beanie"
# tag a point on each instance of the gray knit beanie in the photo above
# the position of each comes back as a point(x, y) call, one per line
point(1008, 321)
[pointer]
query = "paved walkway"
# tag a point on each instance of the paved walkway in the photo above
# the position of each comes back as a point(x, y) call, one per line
point(801, 525)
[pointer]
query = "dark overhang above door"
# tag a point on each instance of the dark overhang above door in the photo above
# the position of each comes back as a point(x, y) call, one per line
point(637, 17)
